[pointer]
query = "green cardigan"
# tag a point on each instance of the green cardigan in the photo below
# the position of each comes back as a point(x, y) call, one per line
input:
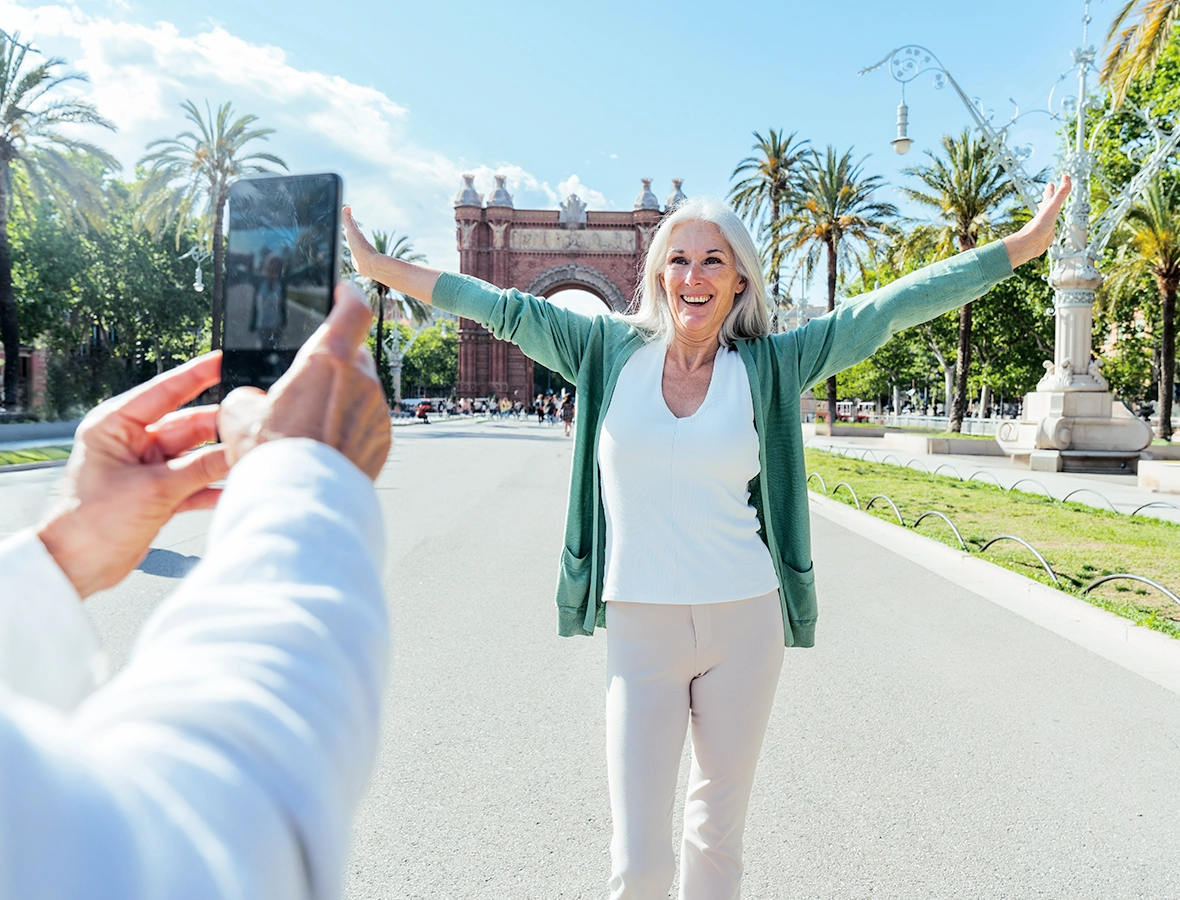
point(591, 351)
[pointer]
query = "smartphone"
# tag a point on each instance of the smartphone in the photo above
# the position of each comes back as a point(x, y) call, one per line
point(282, 258)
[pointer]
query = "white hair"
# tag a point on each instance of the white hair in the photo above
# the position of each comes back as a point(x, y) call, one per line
point(750, 316)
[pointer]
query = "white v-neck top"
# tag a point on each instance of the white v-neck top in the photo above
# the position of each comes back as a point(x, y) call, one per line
point(679, 527)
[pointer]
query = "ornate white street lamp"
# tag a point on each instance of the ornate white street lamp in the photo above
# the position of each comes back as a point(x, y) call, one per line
point(1071, 421)
point(198, 255)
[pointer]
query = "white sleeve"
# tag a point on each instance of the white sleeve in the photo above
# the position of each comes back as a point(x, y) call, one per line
point(227, 758)
point(48, 649)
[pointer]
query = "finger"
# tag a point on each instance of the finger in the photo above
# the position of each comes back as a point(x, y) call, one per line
point(164, 393)
point(196, 471)
point(205, 498)
point(184, 429)
point(348, 323)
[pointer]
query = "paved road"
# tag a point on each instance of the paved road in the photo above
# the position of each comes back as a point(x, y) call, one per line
point(932, 745)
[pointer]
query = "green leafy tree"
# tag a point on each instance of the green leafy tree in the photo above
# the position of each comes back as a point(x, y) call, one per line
point(432, 361)
point(188, 180)
point(54, 166)
point(112, 306)
point(1137, 38)
point(835, 213)
point(764, 194)
point(1151, 246)
point(966, 187)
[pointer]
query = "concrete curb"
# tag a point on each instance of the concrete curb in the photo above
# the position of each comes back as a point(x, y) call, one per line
point(1148, 653)
point(24, 467)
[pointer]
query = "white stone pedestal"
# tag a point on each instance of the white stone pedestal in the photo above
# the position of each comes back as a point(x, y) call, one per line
point(1078, 430)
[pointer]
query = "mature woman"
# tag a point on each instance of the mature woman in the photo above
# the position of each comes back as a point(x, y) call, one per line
point(687, 527)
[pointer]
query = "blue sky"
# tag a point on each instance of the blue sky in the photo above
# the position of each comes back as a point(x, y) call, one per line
point(401, 98)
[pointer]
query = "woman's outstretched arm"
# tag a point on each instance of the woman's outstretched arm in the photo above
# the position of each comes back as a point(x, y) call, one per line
point(859, 326)
point(404, 277)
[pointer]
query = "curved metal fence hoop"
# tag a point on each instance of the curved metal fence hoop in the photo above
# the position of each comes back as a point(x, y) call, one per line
point(1035, 552)
point(821, 480)
point(947, 466)
point(855, 499)
point(1031, 481)
point(869, 450)
point(1089, 491)
point(910, 465)
point(935, 512)
point(1156, 503)
point(896, 511)
point(988, 474)
point(890, 456)
point(1155, 584)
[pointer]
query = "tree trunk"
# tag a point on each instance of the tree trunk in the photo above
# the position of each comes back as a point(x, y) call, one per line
point(963, 356)
point(1167, 356)
point(948, 388)
point(831, 306)
point(774, 260)
point(380, 360)
point(985, 400)
point(218, 267)
point(9, 323)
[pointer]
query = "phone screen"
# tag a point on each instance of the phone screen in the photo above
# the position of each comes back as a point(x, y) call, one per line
point(282, 258)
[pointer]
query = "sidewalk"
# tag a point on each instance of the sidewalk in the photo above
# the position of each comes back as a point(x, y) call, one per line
point(1118, 492)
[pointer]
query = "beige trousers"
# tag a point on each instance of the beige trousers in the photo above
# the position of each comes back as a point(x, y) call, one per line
point(713, 666)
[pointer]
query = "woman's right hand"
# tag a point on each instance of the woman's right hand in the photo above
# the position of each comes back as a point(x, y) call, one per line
point(363, 252)
point(407, 278)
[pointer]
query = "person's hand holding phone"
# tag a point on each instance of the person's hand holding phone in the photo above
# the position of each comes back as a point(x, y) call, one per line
point(330, 394)
point(130, 472)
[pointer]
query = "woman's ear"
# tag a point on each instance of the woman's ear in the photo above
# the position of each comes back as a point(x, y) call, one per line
point(741, 288)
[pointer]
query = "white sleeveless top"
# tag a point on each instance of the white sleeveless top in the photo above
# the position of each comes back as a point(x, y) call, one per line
point(679, 527)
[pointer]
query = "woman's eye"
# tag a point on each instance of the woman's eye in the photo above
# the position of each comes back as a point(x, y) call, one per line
point(713, 261)
point(677, 261)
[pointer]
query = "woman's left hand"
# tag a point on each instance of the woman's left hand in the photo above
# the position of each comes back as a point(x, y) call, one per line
point(1037, 235)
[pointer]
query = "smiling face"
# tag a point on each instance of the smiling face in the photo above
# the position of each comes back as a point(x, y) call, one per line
point(701, 280)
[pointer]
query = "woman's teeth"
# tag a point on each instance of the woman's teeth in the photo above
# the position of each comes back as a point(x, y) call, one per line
point(696, 301)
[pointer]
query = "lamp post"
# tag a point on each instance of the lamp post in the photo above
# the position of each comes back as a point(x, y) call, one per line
point(1071, 421)
point(198, 255)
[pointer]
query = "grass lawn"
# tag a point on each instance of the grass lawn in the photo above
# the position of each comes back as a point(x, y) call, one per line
point(32, 454)
point(1080, 542)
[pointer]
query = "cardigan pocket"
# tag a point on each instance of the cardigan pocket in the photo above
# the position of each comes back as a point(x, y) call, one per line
point(800, 603)
point(573, 593)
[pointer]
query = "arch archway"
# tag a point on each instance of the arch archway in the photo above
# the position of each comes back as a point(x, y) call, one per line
point(541, 251)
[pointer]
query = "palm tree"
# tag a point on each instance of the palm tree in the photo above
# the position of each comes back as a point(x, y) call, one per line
point(1137, 37)
point(764, 193)
point(966, 186)
point(189, 177)
point(402, 249)
point(835, 210)
point(55, 168)
point(1151, 247)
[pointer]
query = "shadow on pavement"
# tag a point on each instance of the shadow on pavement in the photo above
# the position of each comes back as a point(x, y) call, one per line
point(167, 563)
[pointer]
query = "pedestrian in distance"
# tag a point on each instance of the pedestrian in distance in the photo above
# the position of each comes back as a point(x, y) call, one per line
point(567, 413)
point(226, 759)
point(687, 531)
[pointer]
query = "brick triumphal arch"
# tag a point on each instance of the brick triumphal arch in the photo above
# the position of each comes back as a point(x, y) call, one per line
point(542, 251)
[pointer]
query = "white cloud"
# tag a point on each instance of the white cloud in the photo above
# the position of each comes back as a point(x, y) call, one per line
point(139, 75)
point(592, 198)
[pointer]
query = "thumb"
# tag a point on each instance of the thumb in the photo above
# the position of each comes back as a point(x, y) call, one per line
point(348, 323)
